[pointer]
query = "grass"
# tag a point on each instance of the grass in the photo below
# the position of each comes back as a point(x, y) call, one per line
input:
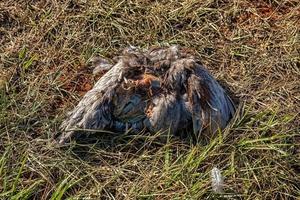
point(253, 48)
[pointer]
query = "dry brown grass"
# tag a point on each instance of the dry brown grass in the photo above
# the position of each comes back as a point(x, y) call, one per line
point(250, 46)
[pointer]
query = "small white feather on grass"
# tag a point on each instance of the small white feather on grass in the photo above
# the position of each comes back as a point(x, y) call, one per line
point(217, 180)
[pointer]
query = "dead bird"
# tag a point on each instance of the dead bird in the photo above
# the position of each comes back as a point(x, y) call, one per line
point(157, 89)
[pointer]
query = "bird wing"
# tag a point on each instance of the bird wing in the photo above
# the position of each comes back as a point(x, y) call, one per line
point(94, 110)
point(210, 105)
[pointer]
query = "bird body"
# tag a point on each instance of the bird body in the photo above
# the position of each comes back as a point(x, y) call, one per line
point(157, 89)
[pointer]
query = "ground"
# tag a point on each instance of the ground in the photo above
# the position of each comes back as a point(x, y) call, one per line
point(251, 47)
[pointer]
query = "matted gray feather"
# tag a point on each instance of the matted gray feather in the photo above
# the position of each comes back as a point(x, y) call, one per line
point(156, 90)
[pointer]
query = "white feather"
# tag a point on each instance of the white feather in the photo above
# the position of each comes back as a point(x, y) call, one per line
point(217, 180)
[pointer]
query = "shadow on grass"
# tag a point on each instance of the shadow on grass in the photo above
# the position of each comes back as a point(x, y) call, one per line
point(129, 144)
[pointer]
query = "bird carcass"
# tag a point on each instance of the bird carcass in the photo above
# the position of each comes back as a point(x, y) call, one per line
point(155, 90)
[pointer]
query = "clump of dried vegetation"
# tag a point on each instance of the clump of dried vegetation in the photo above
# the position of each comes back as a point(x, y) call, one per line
point(250, 46)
